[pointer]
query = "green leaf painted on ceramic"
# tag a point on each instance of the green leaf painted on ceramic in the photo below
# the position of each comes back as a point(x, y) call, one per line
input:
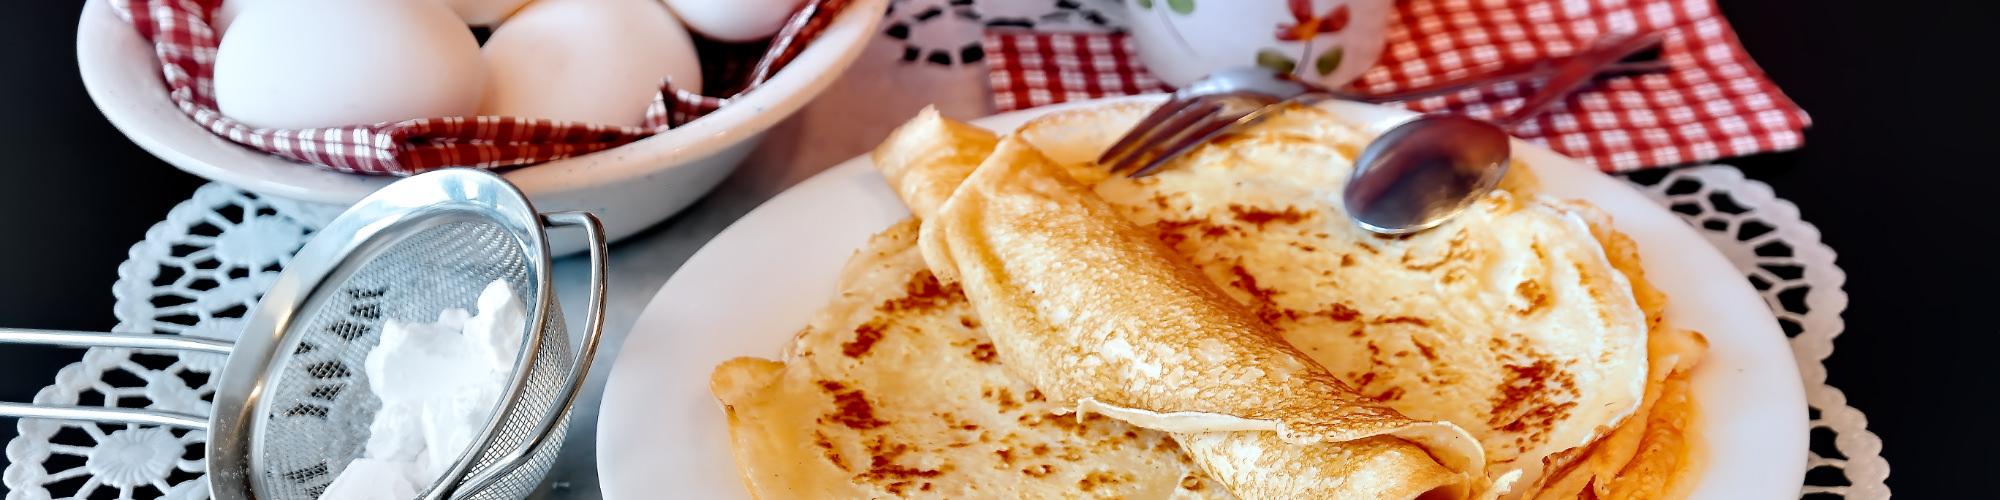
point(1271, 58)
point(1182, 7)
point(1328, 62)
point(1145, 4)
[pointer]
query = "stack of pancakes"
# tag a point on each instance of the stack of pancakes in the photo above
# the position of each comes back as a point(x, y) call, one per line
point(1218, 330)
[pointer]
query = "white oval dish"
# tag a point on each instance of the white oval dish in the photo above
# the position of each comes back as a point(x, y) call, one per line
point(751, 288)
point(629, 187)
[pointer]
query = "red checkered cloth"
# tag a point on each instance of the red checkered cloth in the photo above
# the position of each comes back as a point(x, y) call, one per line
point(1714, 103)
point(186, 45)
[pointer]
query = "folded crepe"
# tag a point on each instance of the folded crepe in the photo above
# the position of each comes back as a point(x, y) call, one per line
point(893, 390)
point(1102, 318)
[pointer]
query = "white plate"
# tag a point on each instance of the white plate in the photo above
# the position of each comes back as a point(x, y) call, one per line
point(753, 286)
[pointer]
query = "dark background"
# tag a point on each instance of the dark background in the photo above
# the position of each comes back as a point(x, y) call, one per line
point(1897, 173)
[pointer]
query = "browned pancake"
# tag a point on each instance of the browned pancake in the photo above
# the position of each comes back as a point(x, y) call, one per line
point(894, 391)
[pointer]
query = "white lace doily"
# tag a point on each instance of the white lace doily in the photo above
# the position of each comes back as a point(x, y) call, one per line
point(197, 273)
point(1783, 257)
point(200, 270)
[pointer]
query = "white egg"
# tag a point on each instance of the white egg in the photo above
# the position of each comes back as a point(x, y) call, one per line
point(485, 12)
point(593, 61)
point(735, 20)
point(229, 10)
point(308, 64)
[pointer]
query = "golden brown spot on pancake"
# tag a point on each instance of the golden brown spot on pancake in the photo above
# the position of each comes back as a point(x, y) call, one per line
point(1006, 456)
point(1346, 260)
point(1173, 232)
point(1394, 393)
point(1005, 397)
point(1107, 478)
point(1527, 400)
point(1425, 350)
point(851, 409)
point(1531, 292)
point(1035, 395)
point(968, 322)
point(1191, 483)
point(1365, 248)
point(1039, 471)
point(826, 449)
point(1455, 251)
point(1455, 275)
point(1338, 311)
point(924, 292)
point(1248, 283)
point(1419, 322)
point(984, 353)
point(1260, 217)
point(1261, 302)
point(883, 470)
point(865, 337)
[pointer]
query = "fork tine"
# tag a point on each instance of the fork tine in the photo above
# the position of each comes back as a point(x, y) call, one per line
point(1194, 135)
point(1147, 149)
point(1146, 127)
point(1229, 112)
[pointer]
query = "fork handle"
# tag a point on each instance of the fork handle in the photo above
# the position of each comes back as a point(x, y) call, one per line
point(1535, 70)
point(1577, 71)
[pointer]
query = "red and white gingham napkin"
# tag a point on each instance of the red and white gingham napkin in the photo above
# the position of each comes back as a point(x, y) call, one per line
point(186, 45)
point(1714, 103)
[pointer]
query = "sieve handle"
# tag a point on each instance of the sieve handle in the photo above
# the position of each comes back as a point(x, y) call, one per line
point(593, 326)
point(129, 416)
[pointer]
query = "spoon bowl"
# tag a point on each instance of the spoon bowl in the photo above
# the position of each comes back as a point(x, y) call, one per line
point(1423, 172)
point(1427, 170)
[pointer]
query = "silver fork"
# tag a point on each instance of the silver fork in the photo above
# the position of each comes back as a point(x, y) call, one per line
point(1233, 98)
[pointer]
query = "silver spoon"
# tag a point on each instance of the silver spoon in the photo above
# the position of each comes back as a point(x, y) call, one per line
point(1427, 170)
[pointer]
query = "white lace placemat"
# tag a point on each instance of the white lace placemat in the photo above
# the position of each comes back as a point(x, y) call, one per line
point(201, 269)
point(1783, 257)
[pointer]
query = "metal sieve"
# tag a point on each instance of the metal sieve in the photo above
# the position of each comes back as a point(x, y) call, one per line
point(292, 406)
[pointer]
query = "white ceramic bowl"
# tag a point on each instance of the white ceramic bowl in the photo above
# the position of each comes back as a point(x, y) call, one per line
point(630, 187)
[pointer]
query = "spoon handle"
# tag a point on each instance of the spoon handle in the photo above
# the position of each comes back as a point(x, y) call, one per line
point(1578, 70)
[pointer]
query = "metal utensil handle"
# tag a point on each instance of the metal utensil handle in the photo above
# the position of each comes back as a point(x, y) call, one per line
point(1578, 70)
point(593, 326)
point(128, 416)
point(1536, 70)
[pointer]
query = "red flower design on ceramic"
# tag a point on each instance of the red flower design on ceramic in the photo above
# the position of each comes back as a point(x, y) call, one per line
point(1306, 24)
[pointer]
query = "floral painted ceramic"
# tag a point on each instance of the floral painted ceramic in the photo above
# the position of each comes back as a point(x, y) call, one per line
point(1326, 41)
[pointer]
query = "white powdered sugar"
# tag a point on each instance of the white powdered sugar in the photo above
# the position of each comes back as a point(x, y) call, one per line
point(439, 383)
